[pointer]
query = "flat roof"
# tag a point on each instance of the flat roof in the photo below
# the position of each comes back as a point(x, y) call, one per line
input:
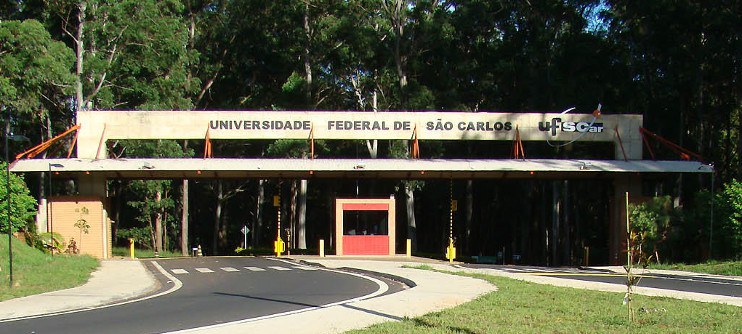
point(192, 168)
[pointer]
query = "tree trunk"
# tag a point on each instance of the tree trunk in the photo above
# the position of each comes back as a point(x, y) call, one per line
point(217, 217)
point(469, 212)
point(79, 53)
point(158, 222)
point(301, 237)
point(293, 215)
point(411, 225)
point(184, 219)
point(307, 62)
point(116, 210)
point(257, 224)
point(224, 228)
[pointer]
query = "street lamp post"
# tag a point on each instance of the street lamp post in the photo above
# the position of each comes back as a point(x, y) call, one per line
point(48, 206)
point(7, 184)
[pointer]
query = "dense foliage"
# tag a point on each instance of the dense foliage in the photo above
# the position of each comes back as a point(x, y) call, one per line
point(729, 231)
point(675, 62)
point(22, 204)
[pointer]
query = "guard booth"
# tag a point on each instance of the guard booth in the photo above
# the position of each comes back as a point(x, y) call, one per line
point(365, 226)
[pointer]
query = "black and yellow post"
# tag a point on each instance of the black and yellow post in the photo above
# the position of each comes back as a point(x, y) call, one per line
point(451, 250)
point(278, 245)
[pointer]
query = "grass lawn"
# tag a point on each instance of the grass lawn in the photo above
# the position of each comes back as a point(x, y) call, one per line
point(523, 307)
point(35, 272)
point(729, 268)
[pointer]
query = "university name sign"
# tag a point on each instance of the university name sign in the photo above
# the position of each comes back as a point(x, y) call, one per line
point(338, 125)
point(97, 126)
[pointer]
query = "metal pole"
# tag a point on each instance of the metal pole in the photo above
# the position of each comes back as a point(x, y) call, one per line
point(49, 214)
point(48, 211)
point(711, 223)
point(7, 185)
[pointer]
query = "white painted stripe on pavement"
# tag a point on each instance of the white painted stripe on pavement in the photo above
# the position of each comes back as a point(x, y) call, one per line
point(254, 269)
point(279, 268)
point(204, 270)
point(305, 268)
point(383, 287)
point(177, 284)
point(179, 271)
point(229, 269)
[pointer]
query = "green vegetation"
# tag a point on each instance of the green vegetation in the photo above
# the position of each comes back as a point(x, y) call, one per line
point(666, 233)
point(35, 272)
point(22, 204)
point(730, 268)
point(522, 307)
point(728, 235)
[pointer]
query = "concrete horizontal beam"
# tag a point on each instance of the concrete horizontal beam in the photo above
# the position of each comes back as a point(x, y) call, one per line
point(351, 168)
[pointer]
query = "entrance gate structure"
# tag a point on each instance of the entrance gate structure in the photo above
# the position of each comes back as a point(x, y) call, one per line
point(92, 166)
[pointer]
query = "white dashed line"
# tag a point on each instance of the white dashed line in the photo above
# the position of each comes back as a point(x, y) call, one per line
point(179, 271)
point(305, 268)
point(204, 270)
point(254, 269)
point(229, 269)
point(279, 268)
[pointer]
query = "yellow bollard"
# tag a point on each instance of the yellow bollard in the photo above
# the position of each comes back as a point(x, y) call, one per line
point(450, 251)
point(131, 247)
point(409, 247)
point(278, 246)
point(321, 248)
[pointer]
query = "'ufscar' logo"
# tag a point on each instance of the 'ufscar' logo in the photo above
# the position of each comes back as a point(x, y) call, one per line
point(556, 123)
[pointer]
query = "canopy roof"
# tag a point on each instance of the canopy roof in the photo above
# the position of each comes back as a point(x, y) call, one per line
point(152, 168)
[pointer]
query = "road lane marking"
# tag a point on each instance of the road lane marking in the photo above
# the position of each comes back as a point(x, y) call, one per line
point(229, 269)
point(305, 268)
point(204, 270)
point(383, 288)
point(179, 271)
point(177, 284)
point(587, 274)
point(254, 269)
point(279, 268)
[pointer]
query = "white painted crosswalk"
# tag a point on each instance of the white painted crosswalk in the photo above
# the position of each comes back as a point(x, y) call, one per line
point(279, 268)
point(183, 271)
point(254, 269)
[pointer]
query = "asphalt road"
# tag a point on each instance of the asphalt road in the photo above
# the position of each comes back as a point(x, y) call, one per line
point(690, 283)
point(214, 291)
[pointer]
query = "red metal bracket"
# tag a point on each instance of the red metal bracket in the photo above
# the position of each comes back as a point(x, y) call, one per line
point(518, 151)
point(684, 153)
point(38, 149)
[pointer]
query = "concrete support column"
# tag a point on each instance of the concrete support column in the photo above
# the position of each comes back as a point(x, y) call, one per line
point(41, 222)
point(617, 224)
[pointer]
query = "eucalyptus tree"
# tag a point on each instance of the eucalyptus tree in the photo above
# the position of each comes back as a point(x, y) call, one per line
point(129, 54)
point(684, 62)
point(35, 76)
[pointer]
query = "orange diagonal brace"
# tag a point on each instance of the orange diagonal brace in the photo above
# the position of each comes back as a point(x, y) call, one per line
point(620, 142)
point(207, 145)
point(72, 146)
point(684, 153)
point(518, 151)
point(311, 142)
point(415, 145)
point(38, 149)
